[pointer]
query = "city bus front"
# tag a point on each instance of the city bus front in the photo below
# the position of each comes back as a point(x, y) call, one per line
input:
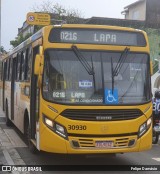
point(95, 95)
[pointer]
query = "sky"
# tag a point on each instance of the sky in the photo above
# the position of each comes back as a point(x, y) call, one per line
point(13, 13)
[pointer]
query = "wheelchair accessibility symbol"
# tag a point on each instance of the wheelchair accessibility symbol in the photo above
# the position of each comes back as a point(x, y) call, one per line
point(111, 97)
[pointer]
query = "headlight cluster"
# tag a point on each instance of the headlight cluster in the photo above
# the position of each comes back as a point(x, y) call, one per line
point(56, 127)
point(144, 127)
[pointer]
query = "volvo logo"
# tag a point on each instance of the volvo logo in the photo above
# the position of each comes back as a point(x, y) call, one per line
point(103, 118)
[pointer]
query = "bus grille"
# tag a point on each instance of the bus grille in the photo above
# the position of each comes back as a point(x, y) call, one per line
point(102, 115)
point(122, 142)
point(118, 143)
point(86, 143)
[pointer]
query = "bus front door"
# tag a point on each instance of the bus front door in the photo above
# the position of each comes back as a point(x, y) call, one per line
point(34, 103)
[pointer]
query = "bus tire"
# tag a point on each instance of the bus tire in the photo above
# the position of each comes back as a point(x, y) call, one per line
point(27, 135)
point(7, 120)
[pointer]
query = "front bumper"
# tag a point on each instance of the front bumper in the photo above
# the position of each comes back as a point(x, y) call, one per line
point(50, 142)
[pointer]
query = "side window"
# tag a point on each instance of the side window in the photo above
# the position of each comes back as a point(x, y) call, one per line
point(18, 67)
point(10, 70)
point(22, 65)
point(28, 64)
point(2, 70)
point(5, 71)
point(9, 67)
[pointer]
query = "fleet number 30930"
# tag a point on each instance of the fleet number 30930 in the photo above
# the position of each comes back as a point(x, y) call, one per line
point(77, 127)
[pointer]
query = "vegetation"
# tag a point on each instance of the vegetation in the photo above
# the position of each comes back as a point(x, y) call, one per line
point(59, 13)
point(2, 50)
point(19, 39)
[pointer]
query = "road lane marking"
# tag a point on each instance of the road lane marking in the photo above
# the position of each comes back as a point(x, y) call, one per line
point(157, 159)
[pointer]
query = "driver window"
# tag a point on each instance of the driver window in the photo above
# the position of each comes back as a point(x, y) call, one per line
point(53, 79)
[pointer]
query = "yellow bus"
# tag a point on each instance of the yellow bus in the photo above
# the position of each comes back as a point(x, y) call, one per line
point(81, 89)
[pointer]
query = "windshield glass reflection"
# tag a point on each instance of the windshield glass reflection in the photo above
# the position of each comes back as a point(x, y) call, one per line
point(66, 80)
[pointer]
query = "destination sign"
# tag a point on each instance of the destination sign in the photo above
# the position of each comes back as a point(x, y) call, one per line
point(96, 36)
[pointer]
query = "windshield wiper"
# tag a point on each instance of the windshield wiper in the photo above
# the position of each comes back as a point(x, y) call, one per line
point(83, 60)
point(112, 75)
point(120, 62)
point(119, 65)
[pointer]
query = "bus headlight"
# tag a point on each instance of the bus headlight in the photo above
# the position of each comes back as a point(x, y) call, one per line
point(144, 127)
point(55, 127)
point(48, 122)
point(60, 130)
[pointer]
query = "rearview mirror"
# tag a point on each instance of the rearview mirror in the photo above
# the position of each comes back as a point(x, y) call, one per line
point(37, 64)
point(151, 68)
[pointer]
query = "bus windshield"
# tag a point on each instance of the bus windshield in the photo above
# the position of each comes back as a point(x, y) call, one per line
point(66, 81)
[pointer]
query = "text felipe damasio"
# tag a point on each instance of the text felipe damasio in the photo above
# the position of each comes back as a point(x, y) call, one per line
point(144, 168)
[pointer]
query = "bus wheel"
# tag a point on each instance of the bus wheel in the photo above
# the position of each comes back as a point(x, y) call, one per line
point(8, 121)
point(27, 134)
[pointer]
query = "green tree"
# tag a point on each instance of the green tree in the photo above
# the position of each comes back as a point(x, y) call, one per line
point(59, 13)
point(19, 39)
point(2, 50)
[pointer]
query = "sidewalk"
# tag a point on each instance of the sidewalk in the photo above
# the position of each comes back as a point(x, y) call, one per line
point(9, 140)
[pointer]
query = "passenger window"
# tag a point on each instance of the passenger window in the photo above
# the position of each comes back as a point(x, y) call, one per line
point(16, 67)
point(1, 70)
point(10, 70)
point(19, 67)
point(22, 65)
point(27, 64)
point(5, 70)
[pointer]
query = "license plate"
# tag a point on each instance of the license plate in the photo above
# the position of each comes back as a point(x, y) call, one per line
point(104, 144)
point(157, 128)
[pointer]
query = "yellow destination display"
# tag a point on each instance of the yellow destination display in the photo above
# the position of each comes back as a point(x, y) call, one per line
point(38, 19)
